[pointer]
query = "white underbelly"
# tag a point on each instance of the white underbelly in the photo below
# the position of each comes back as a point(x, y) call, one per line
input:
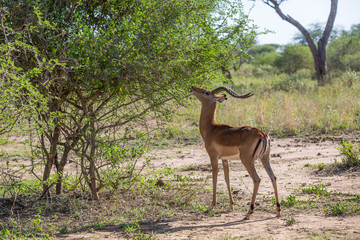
point(227, 153)
point(231, 157)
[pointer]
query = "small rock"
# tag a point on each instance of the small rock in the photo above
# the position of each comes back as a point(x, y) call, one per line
point(236, 191)
point(160, 183)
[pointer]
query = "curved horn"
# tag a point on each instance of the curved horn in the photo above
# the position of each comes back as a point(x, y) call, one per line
point(231, 92)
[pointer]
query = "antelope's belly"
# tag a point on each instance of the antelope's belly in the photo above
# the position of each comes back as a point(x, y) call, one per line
point(228, 153)
point(232, 157)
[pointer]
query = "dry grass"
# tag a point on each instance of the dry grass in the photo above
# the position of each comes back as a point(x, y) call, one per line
point(334, 109)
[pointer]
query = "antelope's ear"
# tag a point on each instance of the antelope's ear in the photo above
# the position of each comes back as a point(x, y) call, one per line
point(220, 98)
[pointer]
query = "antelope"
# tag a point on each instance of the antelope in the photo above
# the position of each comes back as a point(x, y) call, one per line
point(233, 143)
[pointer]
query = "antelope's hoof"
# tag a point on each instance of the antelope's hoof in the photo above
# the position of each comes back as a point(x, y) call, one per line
point(247, 217)
point(278, 210)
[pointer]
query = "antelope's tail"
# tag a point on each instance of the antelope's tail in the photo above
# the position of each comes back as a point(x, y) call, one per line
point(262, 147)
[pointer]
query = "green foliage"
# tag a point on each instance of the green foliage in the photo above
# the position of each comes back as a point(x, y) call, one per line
point(338, 209)
point(258, 71)
point(329, 202)
point(3, 141)
point(63, 230)
point(289, 221)
point(320, 166)
point(294, 82)
point(349, 78)
point(261, 49)
point(34, 232)
point(264, 54)
point(133, 230)
point(289, 202)
point(12, 187)
point(116, 153)
point(268, 58)
point(19, 99)
point(344, 207)
point(37, 223)
point(319, 190)
point(264, 70)
point(271, 59)
point(350, 154)
point(78, 71)
point(294, 58)
point(343, 52)
point(200, 207)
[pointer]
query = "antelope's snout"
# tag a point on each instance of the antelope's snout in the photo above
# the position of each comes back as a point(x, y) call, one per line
point(192, 89)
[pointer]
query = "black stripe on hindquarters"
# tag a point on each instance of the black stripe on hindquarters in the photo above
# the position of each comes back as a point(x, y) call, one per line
point(257, 147)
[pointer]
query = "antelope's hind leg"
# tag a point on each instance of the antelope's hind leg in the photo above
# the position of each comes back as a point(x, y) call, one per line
point(227, 180)
point(250, 167)
point(265, 160)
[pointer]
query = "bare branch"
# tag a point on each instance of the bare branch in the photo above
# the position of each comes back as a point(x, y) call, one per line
point(330, 22)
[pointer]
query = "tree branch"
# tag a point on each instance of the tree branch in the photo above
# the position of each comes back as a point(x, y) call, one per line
point(330, 22)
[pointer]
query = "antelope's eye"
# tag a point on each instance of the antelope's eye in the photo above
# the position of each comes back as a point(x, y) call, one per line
point(207, 93)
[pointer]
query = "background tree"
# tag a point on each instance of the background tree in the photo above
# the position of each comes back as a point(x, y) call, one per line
point(264, 54)
point(86, 70)
point(318, 51)
point(344, 52)
point(293, 58)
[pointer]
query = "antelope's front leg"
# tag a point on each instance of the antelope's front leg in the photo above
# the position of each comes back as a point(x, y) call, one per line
point(215, 170)
point(227, 180)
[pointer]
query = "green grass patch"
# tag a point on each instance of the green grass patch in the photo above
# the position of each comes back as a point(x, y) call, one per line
point(343, 208)
point(319, 190)
point(318, 199)
point(317, 166)
point(289, 202)
point(289, 221)
point(350, 154)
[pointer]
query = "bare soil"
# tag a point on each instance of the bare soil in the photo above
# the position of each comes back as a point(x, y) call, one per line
point(290, 162)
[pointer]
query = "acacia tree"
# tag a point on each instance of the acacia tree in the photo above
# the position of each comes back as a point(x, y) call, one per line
point(294, 58)
point(86, 67)
point(318, 51)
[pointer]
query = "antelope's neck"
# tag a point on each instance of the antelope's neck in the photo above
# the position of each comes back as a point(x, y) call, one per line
point(207, 118)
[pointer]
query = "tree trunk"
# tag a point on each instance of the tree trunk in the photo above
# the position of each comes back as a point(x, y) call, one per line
point(68, 147)
point(60, 169)
point(53, 136)
point(91, 158)
point(321, 67)
point(50, 157)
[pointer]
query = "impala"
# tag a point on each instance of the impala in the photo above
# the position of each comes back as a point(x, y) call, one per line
point(233, 143)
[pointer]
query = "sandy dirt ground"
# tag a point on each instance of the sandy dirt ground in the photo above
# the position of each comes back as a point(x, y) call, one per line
point(289, 157)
